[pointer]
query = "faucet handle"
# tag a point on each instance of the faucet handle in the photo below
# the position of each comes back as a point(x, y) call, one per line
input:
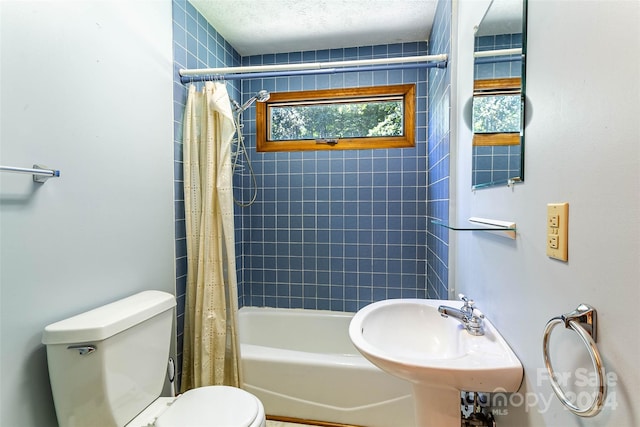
point(468, 303)
point(477, 313)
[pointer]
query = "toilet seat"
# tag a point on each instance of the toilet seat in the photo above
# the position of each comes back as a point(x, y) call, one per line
point(219, 406)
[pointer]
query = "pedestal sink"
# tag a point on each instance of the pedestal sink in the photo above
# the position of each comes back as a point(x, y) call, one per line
point(408, 338)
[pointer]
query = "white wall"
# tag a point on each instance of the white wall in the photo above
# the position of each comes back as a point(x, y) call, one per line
point(582, 147)
point(87, 89)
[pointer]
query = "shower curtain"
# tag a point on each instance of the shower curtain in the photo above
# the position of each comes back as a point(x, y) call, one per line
point(211, 349)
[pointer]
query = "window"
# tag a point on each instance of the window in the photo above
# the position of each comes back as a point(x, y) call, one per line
point(497, 112)
point(337, 119)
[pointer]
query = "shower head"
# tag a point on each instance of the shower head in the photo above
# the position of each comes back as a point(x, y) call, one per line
point(261, 96)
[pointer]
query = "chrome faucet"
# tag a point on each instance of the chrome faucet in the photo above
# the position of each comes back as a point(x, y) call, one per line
point(470, 317)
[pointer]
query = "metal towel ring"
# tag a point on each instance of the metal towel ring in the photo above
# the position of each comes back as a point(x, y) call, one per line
point(583, 322)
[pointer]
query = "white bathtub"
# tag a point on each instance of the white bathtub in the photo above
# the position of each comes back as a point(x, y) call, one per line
point(301, 364)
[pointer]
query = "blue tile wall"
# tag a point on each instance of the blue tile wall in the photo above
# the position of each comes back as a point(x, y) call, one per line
point(335, 230)
point(329, 230)
point(497, 163)
point(438, 164)
point(498, 70)
point(196, 44)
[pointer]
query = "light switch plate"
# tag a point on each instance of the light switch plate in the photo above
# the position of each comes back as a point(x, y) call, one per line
point(558, 231)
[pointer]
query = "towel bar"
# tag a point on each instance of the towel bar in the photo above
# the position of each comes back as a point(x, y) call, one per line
point(40, 173)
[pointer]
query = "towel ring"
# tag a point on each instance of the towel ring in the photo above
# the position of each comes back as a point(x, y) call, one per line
point(583, 322)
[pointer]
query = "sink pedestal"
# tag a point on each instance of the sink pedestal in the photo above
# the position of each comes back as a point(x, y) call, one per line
point(436, 406)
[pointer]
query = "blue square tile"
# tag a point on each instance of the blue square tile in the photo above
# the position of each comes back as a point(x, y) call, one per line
point(296, 204)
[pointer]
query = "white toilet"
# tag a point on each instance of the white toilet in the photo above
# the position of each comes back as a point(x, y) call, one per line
point(107, 367)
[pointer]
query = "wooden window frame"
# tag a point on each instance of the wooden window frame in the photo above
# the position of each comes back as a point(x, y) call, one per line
point(407, 91)
point(504, 86)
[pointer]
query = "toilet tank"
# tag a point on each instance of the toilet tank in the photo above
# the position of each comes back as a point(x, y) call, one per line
point(108, 364)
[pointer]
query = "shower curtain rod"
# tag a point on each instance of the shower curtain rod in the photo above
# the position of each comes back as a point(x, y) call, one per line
point(495, 56)
point(261, 71)
point(193, 79)
point(499, 52)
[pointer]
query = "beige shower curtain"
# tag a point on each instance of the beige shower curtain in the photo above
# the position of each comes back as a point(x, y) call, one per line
point(211, 348)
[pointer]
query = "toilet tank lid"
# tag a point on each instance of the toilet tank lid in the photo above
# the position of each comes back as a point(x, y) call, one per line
point(108, 320)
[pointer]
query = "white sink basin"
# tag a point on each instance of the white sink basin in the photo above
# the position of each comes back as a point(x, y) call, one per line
point(408, 338)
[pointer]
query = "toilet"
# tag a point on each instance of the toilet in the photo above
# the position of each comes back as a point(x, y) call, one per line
point(107, 367)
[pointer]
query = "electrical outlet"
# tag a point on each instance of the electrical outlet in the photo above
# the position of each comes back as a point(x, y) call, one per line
point(558, 231)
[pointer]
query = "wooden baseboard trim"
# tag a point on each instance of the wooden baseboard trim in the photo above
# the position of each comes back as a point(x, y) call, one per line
point(308, 422)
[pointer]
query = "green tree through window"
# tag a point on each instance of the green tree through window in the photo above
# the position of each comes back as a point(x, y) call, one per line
point(343, 120)
point(496, 113)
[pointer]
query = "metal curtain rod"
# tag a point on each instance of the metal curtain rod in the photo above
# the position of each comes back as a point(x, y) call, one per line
point(499, 52)
point(495, 56)
point(258, 75)
point(40, 173)
point(312, 65)
point(262, 71)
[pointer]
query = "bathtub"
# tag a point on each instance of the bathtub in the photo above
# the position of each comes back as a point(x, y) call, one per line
point(302, 365)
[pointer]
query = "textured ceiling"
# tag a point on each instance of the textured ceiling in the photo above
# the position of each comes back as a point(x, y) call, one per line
point(255, 27)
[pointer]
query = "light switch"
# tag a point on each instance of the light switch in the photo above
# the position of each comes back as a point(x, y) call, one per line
point(558, 231)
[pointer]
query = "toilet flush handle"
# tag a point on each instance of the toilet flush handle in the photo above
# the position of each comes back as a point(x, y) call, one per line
point(83, 349)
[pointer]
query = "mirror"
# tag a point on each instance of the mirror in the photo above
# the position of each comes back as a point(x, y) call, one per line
point(499, 95)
